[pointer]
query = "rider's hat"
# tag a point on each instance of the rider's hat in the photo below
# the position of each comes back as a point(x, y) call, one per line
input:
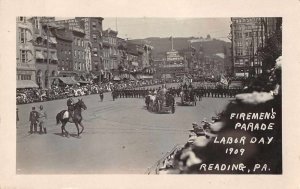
point(41, 107)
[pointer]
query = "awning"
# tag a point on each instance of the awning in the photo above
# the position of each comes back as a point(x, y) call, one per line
point(22, 84)
point(39, 55)
point(52, 40)
point(123, 77)
point(166, 76)
point(144, 77)
point(116, 78)
point(132, 78)
point(84, 82)
point(68, 80)
point(135, 63)
point(53, 56)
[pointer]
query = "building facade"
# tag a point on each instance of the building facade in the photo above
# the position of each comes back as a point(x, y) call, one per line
point(64, 49)
point(110, 53)
point(92, 44)
point(78, 50)
point(93, 34)
point(45, 45)
point(25, 49)
point(248, 35)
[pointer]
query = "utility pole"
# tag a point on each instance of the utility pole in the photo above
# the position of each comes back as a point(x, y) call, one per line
point(48, 71)
point(172, 42)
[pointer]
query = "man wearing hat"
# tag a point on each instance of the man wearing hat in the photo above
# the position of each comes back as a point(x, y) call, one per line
point(33, 118)
point(42, 119)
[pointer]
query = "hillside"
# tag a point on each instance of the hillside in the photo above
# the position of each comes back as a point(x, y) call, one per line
point(209, 47)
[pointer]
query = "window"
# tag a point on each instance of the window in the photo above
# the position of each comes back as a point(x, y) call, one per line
point(22, 35)
point(94, 25)
point(78, 42)
point(94, 37)
point(82, 43)
point(24, 77)
point(75, 41)
point(23, 56)
point(75, 66)
point(22, 19)
point(75, 53)
point(95, 51)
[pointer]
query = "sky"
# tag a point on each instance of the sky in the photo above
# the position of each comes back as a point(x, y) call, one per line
point(143, 27)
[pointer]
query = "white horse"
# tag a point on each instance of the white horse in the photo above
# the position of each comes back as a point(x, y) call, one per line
point(152, 102)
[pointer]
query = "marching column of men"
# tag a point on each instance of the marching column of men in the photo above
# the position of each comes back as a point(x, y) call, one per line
point(199, 92)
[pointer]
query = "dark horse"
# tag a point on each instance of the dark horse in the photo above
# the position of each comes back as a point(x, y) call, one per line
point(77, 118)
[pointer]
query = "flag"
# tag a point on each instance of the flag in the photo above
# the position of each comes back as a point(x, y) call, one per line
point(223, 80)
point(171, 38)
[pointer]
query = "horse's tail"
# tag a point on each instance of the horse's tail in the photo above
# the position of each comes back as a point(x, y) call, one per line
point(57, 118)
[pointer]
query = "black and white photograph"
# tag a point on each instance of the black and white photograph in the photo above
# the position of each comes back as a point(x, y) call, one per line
point(149, 95)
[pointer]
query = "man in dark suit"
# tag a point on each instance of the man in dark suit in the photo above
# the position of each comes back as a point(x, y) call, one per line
point(33, 118)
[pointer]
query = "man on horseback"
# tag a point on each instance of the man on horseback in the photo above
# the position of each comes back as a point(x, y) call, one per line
point(70, 104)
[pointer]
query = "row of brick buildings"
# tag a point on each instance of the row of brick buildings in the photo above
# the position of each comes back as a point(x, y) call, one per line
point(79, 47)
point(248, 36)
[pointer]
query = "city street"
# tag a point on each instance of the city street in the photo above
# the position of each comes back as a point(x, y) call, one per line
point(120, 137)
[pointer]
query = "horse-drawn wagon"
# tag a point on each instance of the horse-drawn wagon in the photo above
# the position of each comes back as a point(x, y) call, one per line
point(165, 103)
point(161, 103)
point(188, 98)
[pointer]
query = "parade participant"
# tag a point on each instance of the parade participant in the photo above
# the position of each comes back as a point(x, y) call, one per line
point(33, 118)
point(70, 104)
point(185, 86)
point(42, 118)
point(101, 94)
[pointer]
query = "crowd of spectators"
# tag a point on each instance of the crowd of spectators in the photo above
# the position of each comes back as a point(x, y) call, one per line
point(31, 95)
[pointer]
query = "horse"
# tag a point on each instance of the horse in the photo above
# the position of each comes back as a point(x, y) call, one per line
point(152, 100)
point(77, 118)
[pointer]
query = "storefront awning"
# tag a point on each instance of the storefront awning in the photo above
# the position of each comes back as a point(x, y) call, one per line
point(39, 55)
point(68, 80)
point(54, 57)
point(52, 40)
point(135, 63)
point(123, 77)
point(132, 78)
point(166, 76)
point(22, 84)
point(84, 82)
point(144, 77)
point(116, 78)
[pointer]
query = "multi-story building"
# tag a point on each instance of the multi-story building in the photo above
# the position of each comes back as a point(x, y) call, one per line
point(25, 52)
point(122, 55)
point(93, 33)
point(64, 49)
point(78, 50)
point(92, 27)
point(173, 65)
point(248, 35)
point(110, 53)
point(45, 42)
